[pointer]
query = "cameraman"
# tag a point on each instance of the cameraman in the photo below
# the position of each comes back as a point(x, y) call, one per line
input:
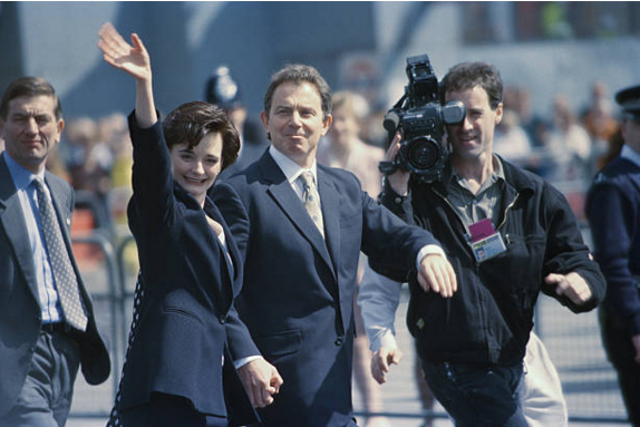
point(508, 235)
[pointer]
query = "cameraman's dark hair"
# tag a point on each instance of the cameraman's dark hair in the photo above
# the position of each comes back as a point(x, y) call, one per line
point(299, 73)
point(468, 75)
point(30, 87)
point(190, 122)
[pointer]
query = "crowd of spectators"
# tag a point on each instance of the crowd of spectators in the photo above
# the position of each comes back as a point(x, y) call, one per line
point(564, 145)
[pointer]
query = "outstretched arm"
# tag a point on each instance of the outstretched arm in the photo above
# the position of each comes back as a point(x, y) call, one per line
point(379, 298)
point(135, 61)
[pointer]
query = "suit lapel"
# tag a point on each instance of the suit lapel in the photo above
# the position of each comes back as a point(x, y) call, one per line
point(330, 200)
point(286, 198)
point(15, 227)
point(62, 210)
point(235, 264)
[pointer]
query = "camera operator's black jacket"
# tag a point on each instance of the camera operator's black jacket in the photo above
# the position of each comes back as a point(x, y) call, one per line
point(489, 318)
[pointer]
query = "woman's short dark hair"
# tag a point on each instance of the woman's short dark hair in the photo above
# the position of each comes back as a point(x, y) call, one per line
point(29, 87)
point(190, 122)
point(299, 73)
point(468, 75)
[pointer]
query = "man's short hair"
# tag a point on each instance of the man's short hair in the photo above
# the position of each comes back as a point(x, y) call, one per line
point(29, 87)
point(299, 73)
point(468, 75)
point(190, 122)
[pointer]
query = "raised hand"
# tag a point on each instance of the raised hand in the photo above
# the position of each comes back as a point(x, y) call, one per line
point(123, 56)
point(399, 180)
point(135, 61)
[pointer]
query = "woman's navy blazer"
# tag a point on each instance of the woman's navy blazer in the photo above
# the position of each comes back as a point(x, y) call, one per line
point(189, 287)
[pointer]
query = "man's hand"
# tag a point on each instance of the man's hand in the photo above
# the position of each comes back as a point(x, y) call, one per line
point(261, 380)
point(399, 180)
point(437, 274)
point(636, 344)
point(571, 285)
point(382, 360)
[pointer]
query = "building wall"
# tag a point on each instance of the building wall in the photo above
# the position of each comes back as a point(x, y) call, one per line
point(186, 41)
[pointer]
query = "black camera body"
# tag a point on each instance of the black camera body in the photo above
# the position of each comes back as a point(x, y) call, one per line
point(422, 120)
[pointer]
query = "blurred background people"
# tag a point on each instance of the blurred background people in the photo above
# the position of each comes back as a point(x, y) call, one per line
point(89, 159)
point(599, 122)
point(223, 91)
point(343, 148)
point(511, 141)
point(568, 145)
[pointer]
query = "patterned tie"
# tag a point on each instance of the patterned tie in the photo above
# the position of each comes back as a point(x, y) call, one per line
point(311, 200)
point(65, 278)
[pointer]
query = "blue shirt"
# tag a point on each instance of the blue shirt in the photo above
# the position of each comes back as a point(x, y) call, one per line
point(22, 179)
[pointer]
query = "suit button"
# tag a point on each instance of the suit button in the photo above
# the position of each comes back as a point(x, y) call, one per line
point(222, 320)
point(339, 341)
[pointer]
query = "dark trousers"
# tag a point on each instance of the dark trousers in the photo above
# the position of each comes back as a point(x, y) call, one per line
point(616, 337)
point(169, 410)
point(45, 398)
point(478, 395)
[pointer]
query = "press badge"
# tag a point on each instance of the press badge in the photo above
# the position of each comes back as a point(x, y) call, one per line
point(485, 241)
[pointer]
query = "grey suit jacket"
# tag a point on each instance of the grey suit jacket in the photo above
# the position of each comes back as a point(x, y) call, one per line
point(20, 313)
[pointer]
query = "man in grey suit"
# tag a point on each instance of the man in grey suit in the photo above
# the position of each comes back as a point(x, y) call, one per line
point(47, 326)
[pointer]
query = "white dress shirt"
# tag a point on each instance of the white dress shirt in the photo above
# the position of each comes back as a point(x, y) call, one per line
point(22, 179)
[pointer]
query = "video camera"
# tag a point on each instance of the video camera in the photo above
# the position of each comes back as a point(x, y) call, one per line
point(422, 119)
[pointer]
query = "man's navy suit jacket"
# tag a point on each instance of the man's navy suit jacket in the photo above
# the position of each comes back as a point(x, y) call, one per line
point(188, 297)
point(20, 312)
point(297, 296)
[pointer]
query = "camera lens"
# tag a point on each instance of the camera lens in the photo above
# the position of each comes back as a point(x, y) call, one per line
point(422, 153)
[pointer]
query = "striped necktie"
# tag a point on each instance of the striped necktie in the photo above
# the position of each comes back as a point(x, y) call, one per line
point(311, 200)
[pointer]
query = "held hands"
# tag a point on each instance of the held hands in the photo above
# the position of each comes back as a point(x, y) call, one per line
point(437, 274)
point(261, 380)
point(121, 55)
point(399, 180)
point(382, 360)
point(571, 285)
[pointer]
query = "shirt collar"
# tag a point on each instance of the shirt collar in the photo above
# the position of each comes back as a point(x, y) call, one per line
point(22, 177)
point(291, 169)
point(630, 154)
point(496, 176)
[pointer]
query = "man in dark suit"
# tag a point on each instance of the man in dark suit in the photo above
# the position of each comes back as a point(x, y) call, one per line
point(47, 326)
point(301, 227)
